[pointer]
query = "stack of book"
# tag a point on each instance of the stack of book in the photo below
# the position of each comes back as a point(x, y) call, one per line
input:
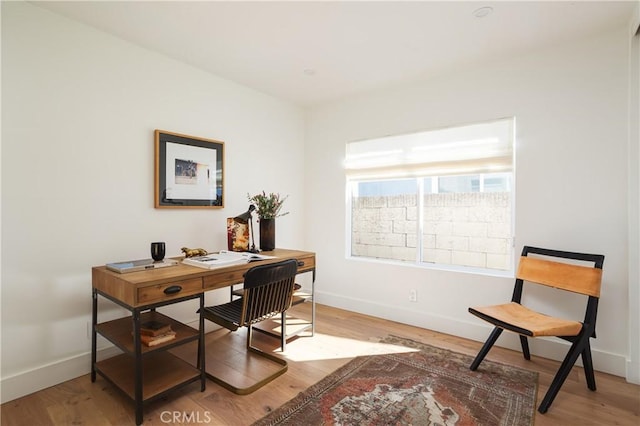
point(155, 332)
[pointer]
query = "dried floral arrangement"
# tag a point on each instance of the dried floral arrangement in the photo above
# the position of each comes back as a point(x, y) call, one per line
point(268, 206)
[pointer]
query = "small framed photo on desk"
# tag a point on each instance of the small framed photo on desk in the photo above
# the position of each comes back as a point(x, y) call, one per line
point(189, 171)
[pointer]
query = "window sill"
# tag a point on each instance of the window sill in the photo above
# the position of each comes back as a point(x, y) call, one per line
point(437, 267)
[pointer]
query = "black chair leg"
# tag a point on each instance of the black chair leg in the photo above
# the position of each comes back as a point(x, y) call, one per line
point(587, 362)
point(567, 364)
point(525, 347)
point(283, 336)
point(485, 348)
point(249, 335)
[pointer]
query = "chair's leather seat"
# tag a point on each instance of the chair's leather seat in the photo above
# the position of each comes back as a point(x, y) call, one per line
point(520, 319)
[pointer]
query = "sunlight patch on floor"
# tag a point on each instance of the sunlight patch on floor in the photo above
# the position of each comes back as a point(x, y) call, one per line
point(324, 346)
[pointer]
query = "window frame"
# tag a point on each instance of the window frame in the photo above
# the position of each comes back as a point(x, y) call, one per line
point(353, 181)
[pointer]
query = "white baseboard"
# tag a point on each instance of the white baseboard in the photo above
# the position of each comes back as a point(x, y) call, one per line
point(633, 373)
point(551, 348)
point(31, 381)
point(28, 382)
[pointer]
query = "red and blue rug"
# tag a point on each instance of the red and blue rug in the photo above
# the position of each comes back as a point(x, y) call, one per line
point(427, 386)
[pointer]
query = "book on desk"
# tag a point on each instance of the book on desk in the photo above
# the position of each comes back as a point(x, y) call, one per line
point(224, 258)
point(139, 265)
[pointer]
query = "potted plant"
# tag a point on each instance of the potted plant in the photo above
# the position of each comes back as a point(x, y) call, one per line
point(268, 208)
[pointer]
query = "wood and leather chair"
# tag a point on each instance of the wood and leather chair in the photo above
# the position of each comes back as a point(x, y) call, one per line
point(567, 271)
point(299, 296)
point(267, 292)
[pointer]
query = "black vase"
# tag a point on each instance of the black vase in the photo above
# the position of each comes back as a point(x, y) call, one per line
point(267, 234)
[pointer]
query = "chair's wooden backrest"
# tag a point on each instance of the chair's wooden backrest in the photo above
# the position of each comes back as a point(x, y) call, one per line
point(571, 277)
point(268, 290)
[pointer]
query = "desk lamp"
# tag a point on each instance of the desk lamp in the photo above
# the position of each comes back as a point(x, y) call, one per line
point(247, 217)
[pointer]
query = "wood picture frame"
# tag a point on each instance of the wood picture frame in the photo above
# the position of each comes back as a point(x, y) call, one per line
point(189, 171)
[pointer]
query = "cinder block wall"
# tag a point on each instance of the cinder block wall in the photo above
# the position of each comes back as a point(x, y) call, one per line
point(466, 229)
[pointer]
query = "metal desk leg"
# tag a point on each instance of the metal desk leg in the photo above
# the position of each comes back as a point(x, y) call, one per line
point(94, 321)
point(201, 354)
point(313, 303)
point(138, 367)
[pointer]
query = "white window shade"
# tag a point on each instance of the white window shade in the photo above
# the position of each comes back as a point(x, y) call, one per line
point(476, 148)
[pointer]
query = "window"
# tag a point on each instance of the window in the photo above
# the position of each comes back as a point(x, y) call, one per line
point(440, 198)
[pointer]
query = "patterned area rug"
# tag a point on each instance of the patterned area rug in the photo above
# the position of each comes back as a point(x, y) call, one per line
point(430, 386)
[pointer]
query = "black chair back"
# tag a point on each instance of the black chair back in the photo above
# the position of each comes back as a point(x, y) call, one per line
point(268, 290)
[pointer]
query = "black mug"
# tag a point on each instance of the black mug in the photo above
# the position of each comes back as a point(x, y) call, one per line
point(157, 251)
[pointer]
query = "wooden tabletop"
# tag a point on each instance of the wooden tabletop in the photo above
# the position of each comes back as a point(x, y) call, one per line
point(150, 286)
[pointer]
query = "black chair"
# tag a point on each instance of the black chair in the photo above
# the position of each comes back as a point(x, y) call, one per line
point(570, 274)
point(299, 296)
point(267, 292)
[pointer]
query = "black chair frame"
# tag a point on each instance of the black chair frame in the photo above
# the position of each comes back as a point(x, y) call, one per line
point(580, 345)
point(267, 292)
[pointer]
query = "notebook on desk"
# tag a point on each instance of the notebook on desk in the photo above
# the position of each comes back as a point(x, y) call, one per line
point(139, 265)
point(224, 258)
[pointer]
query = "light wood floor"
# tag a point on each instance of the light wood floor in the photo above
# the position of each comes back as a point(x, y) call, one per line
point(340, 336)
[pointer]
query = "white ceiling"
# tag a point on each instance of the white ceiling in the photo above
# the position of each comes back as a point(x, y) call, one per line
point(312, 52)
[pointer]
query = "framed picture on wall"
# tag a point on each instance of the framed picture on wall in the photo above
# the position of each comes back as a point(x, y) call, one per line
point(189, 171)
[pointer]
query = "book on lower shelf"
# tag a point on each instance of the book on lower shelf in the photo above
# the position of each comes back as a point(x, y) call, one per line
point(156, 340)
point(154, 328)
point(155, 332)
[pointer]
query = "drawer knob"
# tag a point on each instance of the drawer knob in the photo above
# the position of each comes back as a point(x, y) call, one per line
point(173, 289)
point(300, 262)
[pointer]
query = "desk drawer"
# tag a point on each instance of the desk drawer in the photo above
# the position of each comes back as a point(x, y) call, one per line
point(224, 278)
point(158, 293)
point(306, 264)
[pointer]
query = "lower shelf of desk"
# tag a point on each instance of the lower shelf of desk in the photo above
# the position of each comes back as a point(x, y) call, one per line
point(119, 333)
point(161, 372)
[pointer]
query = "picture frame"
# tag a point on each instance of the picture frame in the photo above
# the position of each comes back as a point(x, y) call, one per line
point(189, 171)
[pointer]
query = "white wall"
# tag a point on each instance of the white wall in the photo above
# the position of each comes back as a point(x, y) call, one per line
point(79, 108)
point(570, 103)
point(633, 365)
point(78, 111)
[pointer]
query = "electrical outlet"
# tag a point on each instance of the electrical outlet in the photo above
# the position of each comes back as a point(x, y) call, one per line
point(413, 296)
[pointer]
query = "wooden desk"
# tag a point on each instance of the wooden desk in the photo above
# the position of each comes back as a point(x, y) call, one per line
point(147, 373)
